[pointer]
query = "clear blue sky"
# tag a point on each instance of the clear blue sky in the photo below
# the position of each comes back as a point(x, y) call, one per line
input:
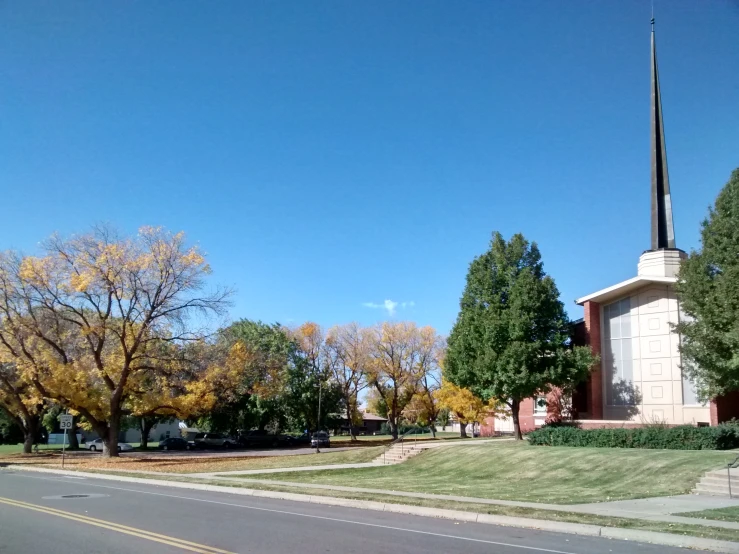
point(331, 154)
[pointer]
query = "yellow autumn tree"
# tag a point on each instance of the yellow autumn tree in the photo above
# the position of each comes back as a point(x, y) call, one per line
point(104, 325)
point(466, 407)
point(402, 357)
point(348, 359)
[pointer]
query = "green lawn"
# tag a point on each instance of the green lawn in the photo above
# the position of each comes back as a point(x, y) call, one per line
point(18, 448)
point(518, 471)
point(721, 514)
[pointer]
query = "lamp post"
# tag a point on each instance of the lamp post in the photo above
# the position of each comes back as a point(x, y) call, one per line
point(318, 420)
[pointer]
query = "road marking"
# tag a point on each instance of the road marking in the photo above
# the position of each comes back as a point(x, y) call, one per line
point(164, 539)
point(326, 518)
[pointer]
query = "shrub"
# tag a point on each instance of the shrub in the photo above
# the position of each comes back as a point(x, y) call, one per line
point(403, 428)
point(683, 437)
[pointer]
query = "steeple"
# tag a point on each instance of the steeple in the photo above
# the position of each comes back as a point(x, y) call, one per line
point(663, 232)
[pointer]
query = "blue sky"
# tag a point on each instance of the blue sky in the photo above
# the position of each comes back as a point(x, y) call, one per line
point(333, 156)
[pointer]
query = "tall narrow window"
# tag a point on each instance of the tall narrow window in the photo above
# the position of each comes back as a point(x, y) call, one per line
point(690, 395)
point(618, 362)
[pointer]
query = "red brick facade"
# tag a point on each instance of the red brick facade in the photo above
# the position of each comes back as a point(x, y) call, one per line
point(525, 420)
point(487, 427)
point(725, 408)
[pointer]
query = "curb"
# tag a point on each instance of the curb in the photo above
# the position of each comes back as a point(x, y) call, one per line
point(654, 537)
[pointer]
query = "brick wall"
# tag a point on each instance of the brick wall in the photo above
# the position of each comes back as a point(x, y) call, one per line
point(526, 415)
point(724, 408)
point(487, 427)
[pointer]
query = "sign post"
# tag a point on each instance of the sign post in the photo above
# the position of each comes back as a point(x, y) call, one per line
point(65, 423)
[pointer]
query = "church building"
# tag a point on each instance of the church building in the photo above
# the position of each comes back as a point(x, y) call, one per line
point(639, 379)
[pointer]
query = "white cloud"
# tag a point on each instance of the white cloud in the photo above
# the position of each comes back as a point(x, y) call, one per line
point(390, 306)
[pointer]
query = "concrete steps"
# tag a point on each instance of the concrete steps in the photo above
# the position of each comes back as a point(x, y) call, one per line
point(397, 453)
point(716, 483)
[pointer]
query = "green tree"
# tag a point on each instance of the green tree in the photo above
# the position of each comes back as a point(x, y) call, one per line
point(10, 431)
point(279, 388)
point(708, 288)
point(511, 338)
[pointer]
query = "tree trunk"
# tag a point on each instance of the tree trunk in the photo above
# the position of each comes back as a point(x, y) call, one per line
point(146, 424)
point(463, 430)
point(433, 430)
point(110, 438)
point(28, 436)
point(350, 415)
point(72, 442)
point(393, 428)
point(515, 406)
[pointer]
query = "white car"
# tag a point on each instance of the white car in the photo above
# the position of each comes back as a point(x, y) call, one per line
point(97, 444)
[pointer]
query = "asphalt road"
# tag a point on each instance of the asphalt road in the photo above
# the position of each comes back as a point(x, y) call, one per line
point(132, 518)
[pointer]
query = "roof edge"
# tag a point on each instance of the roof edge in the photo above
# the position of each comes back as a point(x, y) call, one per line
point(629, 284)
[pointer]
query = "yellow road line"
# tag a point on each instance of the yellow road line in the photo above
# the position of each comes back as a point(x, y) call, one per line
point(171, 541)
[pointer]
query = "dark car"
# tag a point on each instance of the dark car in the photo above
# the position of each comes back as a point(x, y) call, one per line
point(320, 439)
point(298, 440)
point(173, 443)
point(261, 438)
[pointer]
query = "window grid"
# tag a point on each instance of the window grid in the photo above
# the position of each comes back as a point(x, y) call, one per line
point(618, 358)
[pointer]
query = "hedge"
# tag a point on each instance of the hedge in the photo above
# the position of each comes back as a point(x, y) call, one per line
point(683, 437)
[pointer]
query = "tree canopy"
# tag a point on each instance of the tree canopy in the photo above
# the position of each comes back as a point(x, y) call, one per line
point(282, 377)
point(708, 289)
point(466, 407)
point(511, 338)
point(103, 325)
point(402, 355)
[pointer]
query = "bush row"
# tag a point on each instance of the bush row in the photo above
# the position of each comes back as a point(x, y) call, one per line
point(683, 437)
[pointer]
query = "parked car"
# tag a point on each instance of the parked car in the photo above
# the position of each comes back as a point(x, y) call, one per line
point(97, 444)
point(299, 440)
point(173, 443)
point(261, 438)
point(211, 440)
point(320, 439)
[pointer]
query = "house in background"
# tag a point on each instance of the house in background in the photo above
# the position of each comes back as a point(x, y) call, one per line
point(629, 325)
point(159, 432)
point(371, 424)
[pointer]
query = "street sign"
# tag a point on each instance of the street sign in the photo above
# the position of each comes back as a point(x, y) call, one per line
point(65, 421)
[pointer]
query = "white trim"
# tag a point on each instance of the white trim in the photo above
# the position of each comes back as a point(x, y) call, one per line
point(620, 289)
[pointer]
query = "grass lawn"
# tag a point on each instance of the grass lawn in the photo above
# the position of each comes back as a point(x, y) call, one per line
point(721, 514)
point(165, 463)
point(519, 471)
point(18, 448)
